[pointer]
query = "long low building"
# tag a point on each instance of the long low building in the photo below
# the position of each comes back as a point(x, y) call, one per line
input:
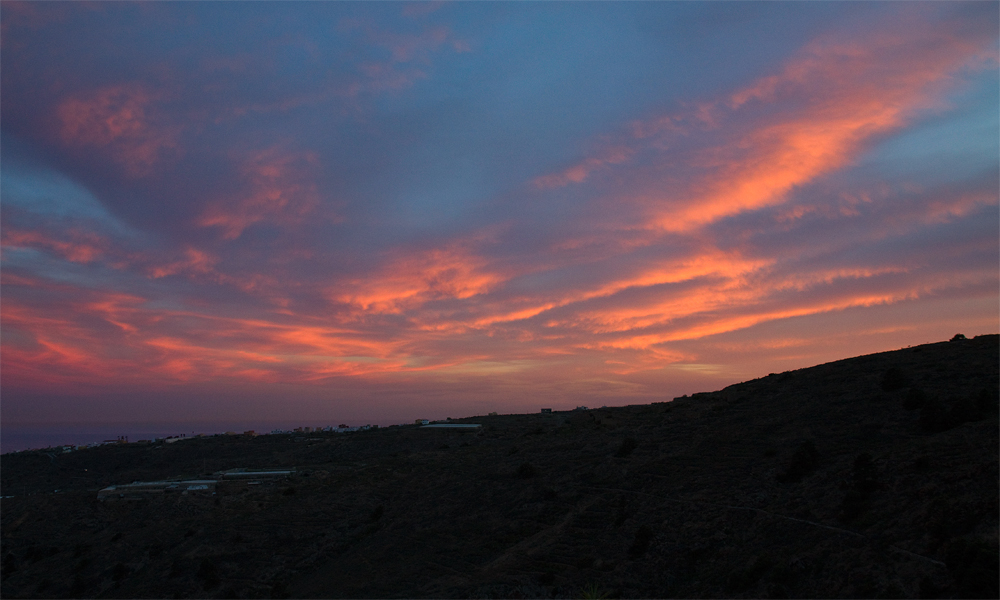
point(254, 474)
point(240, 477)
point(139, 489)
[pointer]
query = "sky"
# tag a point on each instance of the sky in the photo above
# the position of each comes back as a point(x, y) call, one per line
point(374, 212)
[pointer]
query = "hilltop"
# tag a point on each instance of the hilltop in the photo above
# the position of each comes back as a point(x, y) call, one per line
point(874, 476)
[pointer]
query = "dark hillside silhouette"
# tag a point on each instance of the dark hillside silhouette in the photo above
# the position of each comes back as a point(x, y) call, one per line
point(869, 477)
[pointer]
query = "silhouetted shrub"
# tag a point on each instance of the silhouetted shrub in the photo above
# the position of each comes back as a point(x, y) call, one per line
point(37, 553)
point(640, 543)
point(864, 474)
point(914, 399)
point(279, 590)
point(973, 564)
point(803, 463)
point(958, 337)
point(987, 402)
point(377, 513)
point(934, 418)
point(945, 520)
point(547, 578)
point(592, 591)
point(623, 512)
point(626, 448)
point(894, 379)
point(119, 572)
point(965, 410)
point(9, 564)
point(864, 482)
point(208, 572)
point(526, 471)
point(852, 506)
point(928, 589)
point(78, 588)
point(742, 580)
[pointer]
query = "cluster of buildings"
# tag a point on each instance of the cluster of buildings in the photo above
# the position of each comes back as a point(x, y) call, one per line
point(329, 429)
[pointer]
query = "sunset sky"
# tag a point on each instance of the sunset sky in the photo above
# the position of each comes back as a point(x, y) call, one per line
point(372, 212)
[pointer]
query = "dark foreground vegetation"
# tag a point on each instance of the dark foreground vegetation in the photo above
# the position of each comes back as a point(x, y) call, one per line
point(873, 477)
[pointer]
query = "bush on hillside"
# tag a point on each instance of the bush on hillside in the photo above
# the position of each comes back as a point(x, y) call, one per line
point(640, 543)
point(626, 448)
point(973, 564)
point(803, 462)
point(894, 379)
point(208, 573)
point(864, 482)
point(526, 471)
point(934, 418)
point(988, 402)
point(914, 399)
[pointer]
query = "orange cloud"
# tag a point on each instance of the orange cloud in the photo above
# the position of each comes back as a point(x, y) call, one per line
point(408, 281)
point(120, 336)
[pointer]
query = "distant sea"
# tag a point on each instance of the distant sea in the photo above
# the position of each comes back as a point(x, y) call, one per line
point(14, 438)
point(15, 441)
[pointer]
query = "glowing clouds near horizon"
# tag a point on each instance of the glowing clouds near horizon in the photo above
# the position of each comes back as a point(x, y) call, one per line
point(187, 220)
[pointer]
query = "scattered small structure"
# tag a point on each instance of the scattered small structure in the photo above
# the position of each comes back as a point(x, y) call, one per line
point(546, 411)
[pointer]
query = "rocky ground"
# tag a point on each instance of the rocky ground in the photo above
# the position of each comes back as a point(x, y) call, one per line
point(875, 476)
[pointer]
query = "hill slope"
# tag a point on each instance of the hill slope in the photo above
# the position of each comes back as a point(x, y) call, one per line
point(875, 476)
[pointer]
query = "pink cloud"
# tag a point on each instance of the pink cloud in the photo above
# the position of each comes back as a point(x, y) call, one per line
point(579, 172)
point(279, 189)
point(81, 247)
point(123, 121)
